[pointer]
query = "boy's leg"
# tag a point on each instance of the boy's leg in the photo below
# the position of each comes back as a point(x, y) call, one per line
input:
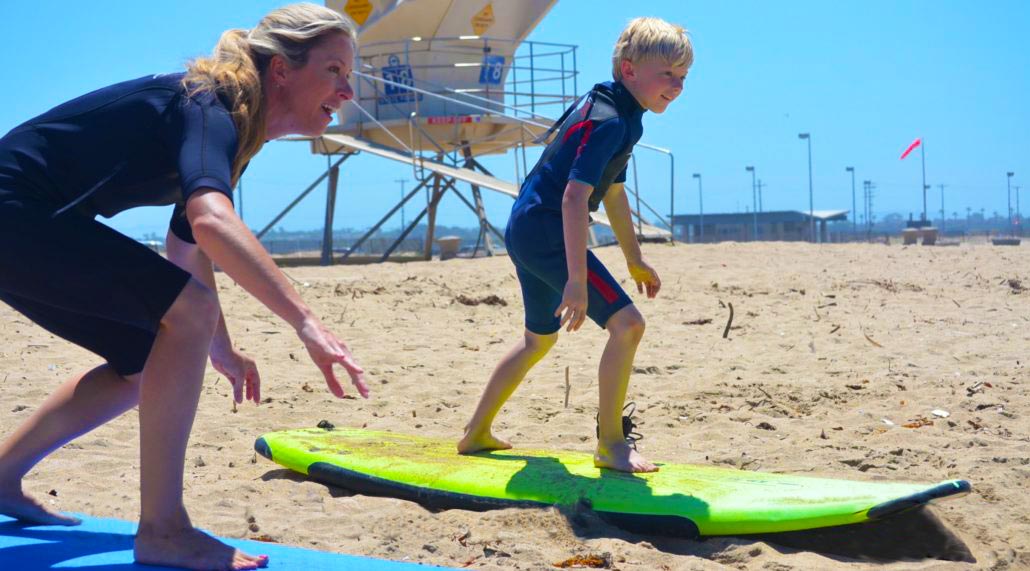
point(540, 301)
point(503, 382)
point(625, 329)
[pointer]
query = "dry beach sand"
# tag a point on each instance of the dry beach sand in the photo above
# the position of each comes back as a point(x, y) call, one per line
point(834, 350)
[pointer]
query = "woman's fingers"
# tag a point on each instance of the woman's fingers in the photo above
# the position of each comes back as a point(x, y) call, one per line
point(254, 384)
point(237, 388)
point(331, 381)
point(357, 374)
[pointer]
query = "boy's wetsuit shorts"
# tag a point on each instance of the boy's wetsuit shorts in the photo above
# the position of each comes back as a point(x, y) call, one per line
point(536, 244)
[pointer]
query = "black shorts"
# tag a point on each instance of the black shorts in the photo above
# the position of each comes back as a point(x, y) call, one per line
point(83, 281)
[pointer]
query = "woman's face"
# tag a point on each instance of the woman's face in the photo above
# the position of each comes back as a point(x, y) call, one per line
point(312, 93)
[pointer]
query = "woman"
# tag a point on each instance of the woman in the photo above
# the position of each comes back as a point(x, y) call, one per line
point(178, 139)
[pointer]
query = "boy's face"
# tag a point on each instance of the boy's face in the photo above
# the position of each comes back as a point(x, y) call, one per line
point(654, 83)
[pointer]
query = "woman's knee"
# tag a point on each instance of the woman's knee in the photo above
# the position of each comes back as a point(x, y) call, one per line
point(196, 308)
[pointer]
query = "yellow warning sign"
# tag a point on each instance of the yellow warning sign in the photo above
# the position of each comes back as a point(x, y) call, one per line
point(358, 10)
point(483, 19)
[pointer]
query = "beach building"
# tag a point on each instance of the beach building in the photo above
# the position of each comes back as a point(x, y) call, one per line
point(781, 225)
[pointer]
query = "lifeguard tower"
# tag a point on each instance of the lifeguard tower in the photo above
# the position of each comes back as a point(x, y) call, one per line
point(439, 83)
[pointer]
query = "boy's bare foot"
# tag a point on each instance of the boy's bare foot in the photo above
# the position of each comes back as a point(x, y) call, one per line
point(620, 456)
point(473, 442)
point(16, 504)
point(190, 548)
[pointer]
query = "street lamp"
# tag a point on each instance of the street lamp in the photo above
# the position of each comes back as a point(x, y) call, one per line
point(701, 207)
point(1008, 187)
point(811, 200)
point(854, 212)
point(754, 200)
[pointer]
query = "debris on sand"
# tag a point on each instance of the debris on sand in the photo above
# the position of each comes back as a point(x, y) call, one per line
point(485, 300)
point(602, 561)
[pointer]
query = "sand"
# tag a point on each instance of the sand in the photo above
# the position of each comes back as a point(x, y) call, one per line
point(828, 345)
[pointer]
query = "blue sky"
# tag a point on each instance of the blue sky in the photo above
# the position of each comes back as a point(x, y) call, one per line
point(864, 78)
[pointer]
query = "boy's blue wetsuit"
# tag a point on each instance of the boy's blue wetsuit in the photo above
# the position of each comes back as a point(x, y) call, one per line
point(138, 143)
point(592, 146)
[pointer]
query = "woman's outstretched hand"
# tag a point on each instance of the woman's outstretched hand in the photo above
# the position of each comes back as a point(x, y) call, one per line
point(326, 351)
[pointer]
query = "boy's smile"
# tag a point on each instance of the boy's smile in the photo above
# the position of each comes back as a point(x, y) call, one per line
point(654, 83)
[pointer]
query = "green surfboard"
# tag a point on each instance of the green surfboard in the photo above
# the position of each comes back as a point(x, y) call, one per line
point(679, 499)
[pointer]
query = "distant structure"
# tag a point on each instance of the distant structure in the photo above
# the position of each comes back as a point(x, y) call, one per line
point(784, 225)
point(438, 84)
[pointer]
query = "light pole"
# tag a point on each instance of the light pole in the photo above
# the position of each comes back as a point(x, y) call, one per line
point(1008, 187)
point(402, 181)
point(854, 213)
point(754, 201)
point(701, 208)
point(944, 218)
point(922, 158)
point(811, 199)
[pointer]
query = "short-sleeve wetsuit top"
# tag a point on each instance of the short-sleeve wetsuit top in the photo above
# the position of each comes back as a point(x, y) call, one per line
point(592, 146)
point(143, 142)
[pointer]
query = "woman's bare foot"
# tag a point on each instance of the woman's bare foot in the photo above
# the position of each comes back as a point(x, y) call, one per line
point(477, 442)
point(190, 548)
point(622, 457)
point(14, 503)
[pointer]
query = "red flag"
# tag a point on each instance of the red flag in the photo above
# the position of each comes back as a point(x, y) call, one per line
point(910, 148)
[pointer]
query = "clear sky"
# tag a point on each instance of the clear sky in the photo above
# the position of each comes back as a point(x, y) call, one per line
point(865, 78)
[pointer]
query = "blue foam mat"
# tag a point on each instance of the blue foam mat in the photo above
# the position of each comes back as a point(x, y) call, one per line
point(106, 545)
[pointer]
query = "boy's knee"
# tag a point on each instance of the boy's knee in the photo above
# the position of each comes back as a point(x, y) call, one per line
point(540, 344)
point(627, 323)
point(196, 307)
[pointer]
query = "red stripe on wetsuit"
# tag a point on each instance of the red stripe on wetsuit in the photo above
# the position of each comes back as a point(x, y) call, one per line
point(607, 292)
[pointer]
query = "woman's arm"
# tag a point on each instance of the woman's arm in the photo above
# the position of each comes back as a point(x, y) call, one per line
point(239, 369)
point(227, 241)
point(190, 258)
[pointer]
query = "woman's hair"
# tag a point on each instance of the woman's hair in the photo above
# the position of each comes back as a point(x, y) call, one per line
point(234, 69)
point(647, 39)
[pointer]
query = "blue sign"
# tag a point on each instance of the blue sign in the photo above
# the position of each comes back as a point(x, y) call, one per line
point(492, 70)
point(400, 74)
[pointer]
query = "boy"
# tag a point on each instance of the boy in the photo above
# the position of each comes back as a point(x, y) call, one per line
point(562, 282)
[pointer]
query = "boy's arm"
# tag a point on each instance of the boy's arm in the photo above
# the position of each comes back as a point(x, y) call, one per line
point(616, 206)
point(575, 220)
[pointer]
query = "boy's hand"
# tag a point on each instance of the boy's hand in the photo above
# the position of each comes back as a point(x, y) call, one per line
point(646, 277)
point(573, 304)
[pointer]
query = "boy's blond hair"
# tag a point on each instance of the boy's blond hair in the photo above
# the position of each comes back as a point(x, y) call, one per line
point(646, 39)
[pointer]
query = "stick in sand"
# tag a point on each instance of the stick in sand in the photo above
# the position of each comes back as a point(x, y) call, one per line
point(568, 386)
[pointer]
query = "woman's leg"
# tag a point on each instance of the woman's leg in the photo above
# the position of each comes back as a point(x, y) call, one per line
point(625, 329)
point(169, 393)
point(81, 404)
point(503, 382)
